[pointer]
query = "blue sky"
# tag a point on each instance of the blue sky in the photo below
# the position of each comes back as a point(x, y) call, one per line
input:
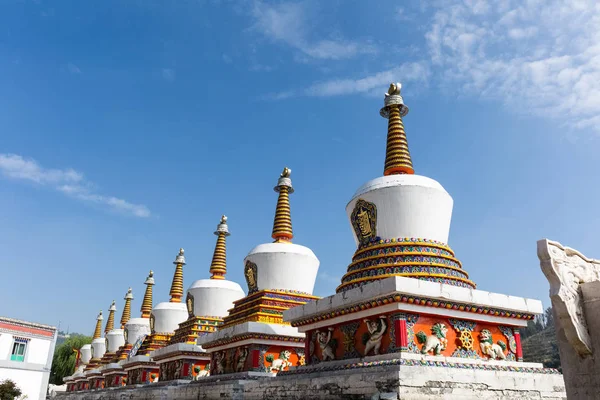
point(128, 128)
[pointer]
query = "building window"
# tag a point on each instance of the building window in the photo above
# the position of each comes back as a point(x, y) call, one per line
point(18, 350)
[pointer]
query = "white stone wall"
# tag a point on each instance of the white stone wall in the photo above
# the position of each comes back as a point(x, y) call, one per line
point(399, 382)
point(31, 375)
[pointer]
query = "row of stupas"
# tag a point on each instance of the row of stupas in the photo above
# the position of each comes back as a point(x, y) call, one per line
point(405, 300)
point(217, 327)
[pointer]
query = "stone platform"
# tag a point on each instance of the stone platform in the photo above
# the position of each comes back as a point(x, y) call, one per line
point(396, 376)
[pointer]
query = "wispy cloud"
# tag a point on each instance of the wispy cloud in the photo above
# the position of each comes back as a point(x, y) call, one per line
point(375, 83)
point(287, 23)
point(168, 74)
point(74, 69)
point(537, 56)
point(67, 181)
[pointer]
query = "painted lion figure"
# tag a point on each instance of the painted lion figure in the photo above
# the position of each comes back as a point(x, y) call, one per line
point(279, 364)
point(436, 342)
point(488, 348)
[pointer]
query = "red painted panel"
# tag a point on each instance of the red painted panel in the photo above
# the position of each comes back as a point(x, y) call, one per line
point(517, 335)
point(24, 329)
point(255, 358)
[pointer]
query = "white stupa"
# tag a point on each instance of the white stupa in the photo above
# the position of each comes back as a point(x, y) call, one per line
point(279, 275)
point(208, 302)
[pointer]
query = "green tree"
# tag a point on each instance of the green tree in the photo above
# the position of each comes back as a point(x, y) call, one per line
point(9, 390)
point(549, 317)
point(63, 362)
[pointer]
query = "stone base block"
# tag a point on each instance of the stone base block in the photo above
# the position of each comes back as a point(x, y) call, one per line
point(388, 379)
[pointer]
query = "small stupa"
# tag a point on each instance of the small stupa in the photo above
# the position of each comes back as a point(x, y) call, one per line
point(253, 338)
point(164, 320)
point(82, 358)
point(405, 304)
point(98, 345)
point(135, 331)
point(95, 377)
point(208, 301)
point(115, 340)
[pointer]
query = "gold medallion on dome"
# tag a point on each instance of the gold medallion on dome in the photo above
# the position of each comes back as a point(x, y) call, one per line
point(250, 272)
point(189, 301)
point(364, 220)
point(152, 323)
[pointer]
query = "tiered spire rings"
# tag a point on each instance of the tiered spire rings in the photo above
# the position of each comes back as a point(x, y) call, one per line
point(98, 330)
point(127, 308)
point(397, 156)
point(218, 266)
point(147, 303)
point(177, 285)
point(282, 225)
point(110, 322)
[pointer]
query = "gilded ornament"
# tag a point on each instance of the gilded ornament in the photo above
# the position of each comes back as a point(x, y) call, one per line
point(364, 221)
point(250, 272)
point(190, 304)
point(466, 339)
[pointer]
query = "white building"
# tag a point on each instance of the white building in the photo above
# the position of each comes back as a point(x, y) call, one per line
point(26, 351)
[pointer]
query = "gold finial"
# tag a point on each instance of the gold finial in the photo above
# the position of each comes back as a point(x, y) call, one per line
point(98, 330)
point(110, 322)
point(218, 266)
point(127, 308)
point(282, 225)
point(147, 302)
point(177, 285)
point(397, 156)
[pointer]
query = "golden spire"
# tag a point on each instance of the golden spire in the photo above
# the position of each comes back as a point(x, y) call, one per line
point(218, 266)
point(127, 308)
point(177, 285)
point(397, 156)
point(147, 303)
point(282, 225)
point(98, 330)
point(110, 322)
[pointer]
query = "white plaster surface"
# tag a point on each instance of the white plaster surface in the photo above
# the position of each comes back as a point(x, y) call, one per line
point(136, 328)
point(214, 297)
point(416, 288)
point(98, 347)
point(174, 348)
point(407, 206)
point(168, 316)
point(284, 266)
point(249, 327)
point(127, 364)
point(86, 353)
point(116, 339)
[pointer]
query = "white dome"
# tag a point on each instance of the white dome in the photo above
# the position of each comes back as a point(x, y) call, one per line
point(135, 328)
point(284, 266)
point(168, 316)
point(98, 347)
point(115, 339)
point(407, 206)
point(214, 297)
point(86, 353)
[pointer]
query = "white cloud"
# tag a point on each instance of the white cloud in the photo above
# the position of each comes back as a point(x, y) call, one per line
point(288, 23)
point(168, 74)
point(536, 56)
point(74, 69)
point(67, 181)
point(407, 72)
point(376, 83)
